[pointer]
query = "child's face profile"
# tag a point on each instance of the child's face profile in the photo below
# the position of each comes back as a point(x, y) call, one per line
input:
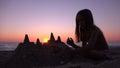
point(82, 22)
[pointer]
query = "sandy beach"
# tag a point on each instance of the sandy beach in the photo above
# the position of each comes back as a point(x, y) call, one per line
point(59, 34)
point(77, 61)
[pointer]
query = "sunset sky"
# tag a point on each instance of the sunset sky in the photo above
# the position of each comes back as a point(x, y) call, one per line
point(38, 18)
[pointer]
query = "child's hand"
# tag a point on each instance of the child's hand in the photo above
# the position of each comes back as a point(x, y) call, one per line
point(70, 41)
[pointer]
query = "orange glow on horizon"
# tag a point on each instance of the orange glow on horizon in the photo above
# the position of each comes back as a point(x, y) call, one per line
point(44, 36)
point(45, 40)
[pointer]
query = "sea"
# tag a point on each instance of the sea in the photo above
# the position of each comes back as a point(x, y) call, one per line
point(8, 46)
point(11, 46)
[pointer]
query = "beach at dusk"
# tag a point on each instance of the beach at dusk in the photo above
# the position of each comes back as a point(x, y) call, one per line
point(10, 50)
point(59, 34)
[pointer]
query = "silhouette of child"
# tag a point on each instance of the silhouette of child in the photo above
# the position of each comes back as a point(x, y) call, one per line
point(92, 38)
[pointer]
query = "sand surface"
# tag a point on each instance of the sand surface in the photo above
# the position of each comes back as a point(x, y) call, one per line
point(77, 62)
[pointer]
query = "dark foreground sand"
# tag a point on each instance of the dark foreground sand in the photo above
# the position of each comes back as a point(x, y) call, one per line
point(77, 62)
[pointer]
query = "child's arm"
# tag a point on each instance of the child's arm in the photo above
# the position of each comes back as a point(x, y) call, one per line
point(92, 40)
point(84, 43)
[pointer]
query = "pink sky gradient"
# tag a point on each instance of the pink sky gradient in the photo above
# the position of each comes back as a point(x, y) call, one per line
point(38, 18)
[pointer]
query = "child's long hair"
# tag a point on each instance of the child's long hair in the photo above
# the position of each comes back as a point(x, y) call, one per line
point(87, 15)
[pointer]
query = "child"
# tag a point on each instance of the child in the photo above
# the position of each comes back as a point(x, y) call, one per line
point(92, 38)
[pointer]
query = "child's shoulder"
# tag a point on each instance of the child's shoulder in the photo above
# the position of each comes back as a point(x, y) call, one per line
point(97, 29)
